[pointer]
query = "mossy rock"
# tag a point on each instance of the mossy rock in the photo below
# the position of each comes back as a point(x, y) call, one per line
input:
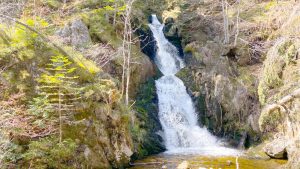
point(257, 152)
point(278, 68)
point(54, 4)
point(270, 121)
point(145, 136)
point(273, 68)
point(99, 27)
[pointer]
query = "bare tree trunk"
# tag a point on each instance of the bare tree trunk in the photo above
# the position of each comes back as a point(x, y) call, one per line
point(127, 42)
point(128, 64)
point(237, 24)
point(124, 58)
point(225, 21)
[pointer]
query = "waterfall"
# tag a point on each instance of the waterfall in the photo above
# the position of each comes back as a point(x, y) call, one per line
point(177, 113)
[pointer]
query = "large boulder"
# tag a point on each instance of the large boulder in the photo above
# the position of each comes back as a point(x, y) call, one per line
point(277, 148)
point(171, 31)
point(76, 34)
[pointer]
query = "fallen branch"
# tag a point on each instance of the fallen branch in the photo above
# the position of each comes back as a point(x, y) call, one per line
point(281, 103)
point(237, 162)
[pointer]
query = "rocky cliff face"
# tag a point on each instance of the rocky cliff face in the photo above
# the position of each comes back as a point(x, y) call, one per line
point(279, 92)
point(105, 130)
point(231, 87)
point(109, 136)
point(225, 98)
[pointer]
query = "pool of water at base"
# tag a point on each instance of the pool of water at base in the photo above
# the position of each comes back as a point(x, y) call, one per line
point(205, 162)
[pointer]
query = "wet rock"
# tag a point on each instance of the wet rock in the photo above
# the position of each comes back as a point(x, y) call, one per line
point(277, 148)
point(171, 32)
point(183, 165)
point(228, 163)
point(170, 29)
point(243, 141)
point(76, 34)
point(147, 42)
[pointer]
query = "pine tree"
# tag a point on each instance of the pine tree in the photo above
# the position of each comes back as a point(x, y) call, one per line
point(59, 85)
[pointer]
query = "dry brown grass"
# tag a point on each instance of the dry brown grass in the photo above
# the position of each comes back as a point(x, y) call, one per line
point(16, 121)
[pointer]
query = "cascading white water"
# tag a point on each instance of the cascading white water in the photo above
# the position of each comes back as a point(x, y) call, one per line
point(176, 110)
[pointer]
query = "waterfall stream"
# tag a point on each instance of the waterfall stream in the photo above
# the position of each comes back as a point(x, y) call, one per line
point(177, 113)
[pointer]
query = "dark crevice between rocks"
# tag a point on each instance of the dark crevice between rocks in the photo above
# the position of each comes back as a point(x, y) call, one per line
point(147, 42)
point(232, 54)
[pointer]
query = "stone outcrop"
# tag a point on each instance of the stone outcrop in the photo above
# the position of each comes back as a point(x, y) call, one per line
point(101, 129)
point(171, 31)
point(225, 102)
point(106, 139)
point(76, 34)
